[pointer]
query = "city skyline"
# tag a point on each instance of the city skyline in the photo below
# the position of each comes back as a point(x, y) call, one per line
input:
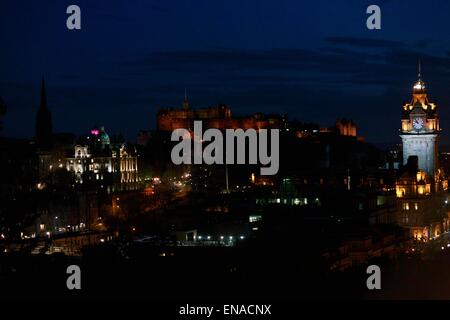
point(246, 59)
point(176, 151)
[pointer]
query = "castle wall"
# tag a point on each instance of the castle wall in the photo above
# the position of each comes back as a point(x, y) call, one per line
point(218, 118)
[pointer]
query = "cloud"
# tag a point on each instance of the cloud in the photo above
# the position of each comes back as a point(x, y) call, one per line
point(325, 67)
point(364, 42)
point(357, 78)
point(222, 61)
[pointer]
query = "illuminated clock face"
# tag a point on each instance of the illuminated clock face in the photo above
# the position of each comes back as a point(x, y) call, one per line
point(417, 123)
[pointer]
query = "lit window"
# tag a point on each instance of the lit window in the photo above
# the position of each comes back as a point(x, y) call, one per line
point(421, 189)
point(254, 218)
point(400, 192)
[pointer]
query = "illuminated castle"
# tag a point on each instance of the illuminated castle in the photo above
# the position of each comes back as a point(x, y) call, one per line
point(218, 117)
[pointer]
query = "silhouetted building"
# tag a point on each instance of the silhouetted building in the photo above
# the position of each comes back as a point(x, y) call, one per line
point(44, 128)
point(144, 137)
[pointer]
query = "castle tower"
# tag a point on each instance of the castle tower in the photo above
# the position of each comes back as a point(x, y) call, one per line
point(186, 101)
point(43, 122)
point(420, 129)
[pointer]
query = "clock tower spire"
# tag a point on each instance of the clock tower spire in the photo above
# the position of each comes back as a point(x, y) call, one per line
point(420, 128)
point(419, 69)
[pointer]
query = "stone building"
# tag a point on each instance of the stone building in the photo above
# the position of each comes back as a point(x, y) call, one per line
point(97, 159)
point(421, 187)
point(218, 117)
point(420, 130)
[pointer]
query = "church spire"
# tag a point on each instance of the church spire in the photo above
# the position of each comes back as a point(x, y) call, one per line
point(43, 103)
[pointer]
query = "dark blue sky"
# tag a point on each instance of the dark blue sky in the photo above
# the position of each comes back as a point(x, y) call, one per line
point(314, 60)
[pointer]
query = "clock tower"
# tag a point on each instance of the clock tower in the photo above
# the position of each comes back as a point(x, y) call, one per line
point(420, 129)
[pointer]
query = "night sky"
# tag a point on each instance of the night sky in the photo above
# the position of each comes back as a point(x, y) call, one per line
point(314, 60)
